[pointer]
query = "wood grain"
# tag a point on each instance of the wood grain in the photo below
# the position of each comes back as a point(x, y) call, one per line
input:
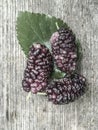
point(16, 113)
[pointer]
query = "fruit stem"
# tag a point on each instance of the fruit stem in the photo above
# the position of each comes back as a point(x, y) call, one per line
point(28, 96)
point(57, 25)
point(41, 93)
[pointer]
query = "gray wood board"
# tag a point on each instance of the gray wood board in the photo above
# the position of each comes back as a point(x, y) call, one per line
point(17, 113)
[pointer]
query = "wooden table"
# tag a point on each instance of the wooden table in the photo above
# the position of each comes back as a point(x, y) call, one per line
point(17, 113)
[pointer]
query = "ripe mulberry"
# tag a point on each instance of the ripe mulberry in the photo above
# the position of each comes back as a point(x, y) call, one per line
point(38, 69)
point(67, 89)
point(64, 50)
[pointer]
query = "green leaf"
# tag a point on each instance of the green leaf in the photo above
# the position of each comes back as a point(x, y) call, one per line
point(35, 27)
point(57, 74)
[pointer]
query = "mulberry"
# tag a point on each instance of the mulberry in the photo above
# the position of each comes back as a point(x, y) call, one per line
point(67, 89)
point(38, 69)
point(64, 50)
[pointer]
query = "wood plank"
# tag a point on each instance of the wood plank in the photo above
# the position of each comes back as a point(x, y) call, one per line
point(37, 114)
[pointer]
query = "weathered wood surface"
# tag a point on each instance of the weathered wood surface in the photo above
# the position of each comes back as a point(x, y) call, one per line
point(37, 114)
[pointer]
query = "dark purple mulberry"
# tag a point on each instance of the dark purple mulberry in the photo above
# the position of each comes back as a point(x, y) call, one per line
point(67, 89)
point(38, 69)
point(64, 50)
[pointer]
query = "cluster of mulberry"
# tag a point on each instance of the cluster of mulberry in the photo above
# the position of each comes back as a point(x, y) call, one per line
point(40, 65)
point(67, 89)
point(38, 69)
point(64, 50)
